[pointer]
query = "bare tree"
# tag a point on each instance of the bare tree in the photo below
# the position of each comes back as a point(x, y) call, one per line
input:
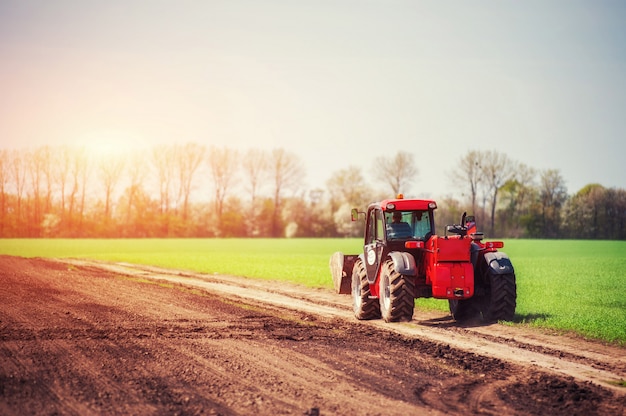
point(79, 172)
point(223, 165)
point(18, 172)
point(136, 170)
point(164, 160)
point(190, 158)
point(255, 168)
point(254, 164)
point(40, 173)
point(62, 166)
point(5, 172)
point(287, 173)
point(46, 155)
point(110, 169)
point(398, 172)
point(34, 161)
point(84, 173)
point(467, 174)
point(496, 169)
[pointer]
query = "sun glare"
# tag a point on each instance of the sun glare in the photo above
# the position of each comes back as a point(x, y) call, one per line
point(109, 143)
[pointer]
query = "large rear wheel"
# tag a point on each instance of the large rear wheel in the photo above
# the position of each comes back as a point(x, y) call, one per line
point(500, 301)
point(365, 307)
point(397, 294)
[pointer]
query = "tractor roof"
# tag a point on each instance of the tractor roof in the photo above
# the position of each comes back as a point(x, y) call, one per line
point(406, 204)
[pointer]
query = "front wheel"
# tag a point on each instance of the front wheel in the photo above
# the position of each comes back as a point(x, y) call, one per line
point(397, 294)
point(364, 305)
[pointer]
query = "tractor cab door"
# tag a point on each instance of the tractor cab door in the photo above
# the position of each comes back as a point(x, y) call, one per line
point(374, 242)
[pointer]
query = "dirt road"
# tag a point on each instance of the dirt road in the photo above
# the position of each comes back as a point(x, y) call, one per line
point(80, 337)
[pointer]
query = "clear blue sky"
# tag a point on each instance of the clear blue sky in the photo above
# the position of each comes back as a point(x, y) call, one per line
point(336, 82)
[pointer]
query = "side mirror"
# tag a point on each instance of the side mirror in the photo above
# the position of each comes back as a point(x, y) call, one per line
point(452, 229)
point(354, 214)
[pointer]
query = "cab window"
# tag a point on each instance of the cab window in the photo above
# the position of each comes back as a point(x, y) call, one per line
point(371, 227)
point(421, 224)
point(380, 225)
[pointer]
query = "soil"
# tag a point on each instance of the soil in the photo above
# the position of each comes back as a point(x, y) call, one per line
point(84, 337)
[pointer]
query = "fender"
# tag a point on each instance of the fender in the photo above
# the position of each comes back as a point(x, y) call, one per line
point(499, 262)
point(403, 263)
point(362, 258)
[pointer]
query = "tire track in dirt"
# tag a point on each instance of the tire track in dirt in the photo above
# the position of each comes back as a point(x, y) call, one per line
point(81, 337)
point(584, 361)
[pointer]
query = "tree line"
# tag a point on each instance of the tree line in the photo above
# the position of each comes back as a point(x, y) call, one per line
point(513, 199)
point(193, 191)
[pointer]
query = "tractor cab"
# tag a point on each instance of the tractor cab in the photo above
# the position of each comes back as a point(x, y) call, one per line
point(396, 225)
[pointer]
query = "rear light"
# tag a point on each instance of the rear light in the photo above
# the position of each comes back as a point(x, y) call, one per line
point(494, 244)
point(414, 244)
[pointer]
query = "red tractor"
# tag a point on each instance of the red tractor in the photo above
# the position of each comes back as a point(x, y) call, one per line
point(404, 259)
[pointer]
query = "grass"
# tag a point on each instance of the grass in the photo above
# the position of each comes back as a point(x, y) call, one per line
point(563, 285)
point(301, 260)
point(572, 286)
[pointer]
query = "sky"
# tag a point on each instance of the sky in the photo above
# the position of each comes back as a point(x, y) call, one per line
point(339, 83)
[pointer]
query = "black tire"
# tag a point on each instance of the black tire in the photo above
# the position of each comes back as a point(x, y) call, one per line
point(365, 307)
point(463, 310)
point(500, 301)
point(397, 294)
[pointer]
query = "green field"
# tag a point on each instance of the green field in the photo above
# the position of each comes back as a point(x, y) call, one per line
point(563, 285)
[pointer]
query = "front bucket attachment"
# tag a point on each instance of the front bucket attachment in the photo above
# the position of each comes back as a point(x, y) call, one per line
point(341, 269)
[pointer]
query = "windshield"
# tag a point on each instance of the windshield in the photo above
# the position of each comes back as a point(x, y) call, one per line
point(407, 224)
